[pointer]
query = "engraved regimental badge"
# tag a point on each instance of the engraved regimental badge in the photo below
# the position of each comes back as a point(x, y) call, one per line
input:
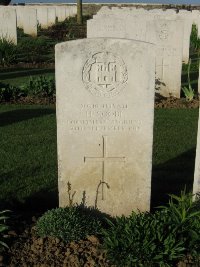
point(163, 32)
point(104, 74)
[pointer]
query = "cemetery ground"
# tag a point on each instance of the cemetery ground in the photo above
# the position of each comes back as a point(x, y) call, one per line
point(28, 155)
point(29, 177)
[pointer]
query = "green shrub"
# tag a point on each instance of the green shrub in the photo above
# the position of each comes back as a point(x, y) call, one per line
point(159, 239)
point(69, 223)
point(40, 86)
point(3, 228)
point(9, 92)
point(185, 219)
point(32, 49)
point(8, 52)
point(187, 90)
point(194, 40)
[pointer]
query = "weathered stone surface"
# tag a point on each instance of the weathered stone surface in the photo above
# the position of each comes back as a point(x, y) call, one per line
point(196, 19)
point(51, 16)
point(30, 21)
point(19, 12)
point(42, 16)
point(168, 36)
point(150, 28)
point(8, 24)
point(117, 25)
point(61, 13)
point(196, 183)
point(186, 16)
point(105, 102)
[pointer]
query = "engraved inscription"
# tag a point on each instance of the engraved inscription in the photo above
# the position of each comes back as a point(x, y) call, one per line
point(104, 159)
point(105, 74)
point(163, 32)
point(103, 117)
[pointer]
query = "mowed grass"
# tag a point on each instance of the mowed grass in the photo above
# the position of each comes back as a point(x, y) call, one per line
point(174, 149)
point(28, 156)
point(28, 161)
point(21, 76)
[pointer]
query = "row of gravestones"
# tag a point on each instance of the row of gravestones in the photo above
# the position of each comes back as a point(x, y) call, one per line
point(169, 30)
point(105, 113)
point(29, 17)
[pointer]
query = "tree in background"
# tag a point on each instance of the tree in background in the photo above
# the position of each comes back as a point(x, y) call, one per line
point(5, 2)
point(79, 12)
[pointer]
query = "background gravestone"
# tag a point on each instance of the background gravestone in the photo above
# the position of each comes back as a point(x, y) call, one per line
point(105, 107)
point(51, 16)
point(42, 16)
point(8, 24)
point(168, 37)
point(155, 27)
point(19, 12)
point(196, 184)
point(61, 13)
point(30, 21)
point(188, 21)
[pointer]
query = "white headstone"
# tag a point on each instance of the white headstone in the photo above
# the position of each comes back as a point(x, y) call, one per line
point(117, 27)
point(152, 28)
point(73, 11)
point(168, 37)
point(20, 13)
point(186, 16)
point(196, 19)
point(196, 183)
point(51, 16)
point(60, 13)
point(42, 16)
point(30, 21)
point(105, 107)
point(8, 24)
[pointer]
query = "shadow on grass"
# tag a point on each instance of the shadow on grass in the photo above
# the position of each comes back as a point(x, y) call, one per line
point(10, 117)
point(171, 177)
point(23, 73)
point(37, 203)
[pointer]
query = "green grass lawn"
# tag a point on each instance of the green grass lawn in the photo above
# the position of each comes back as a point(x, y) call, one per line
point(28, 156)
point(175, 133)
point(20, 76)
point(28, 169)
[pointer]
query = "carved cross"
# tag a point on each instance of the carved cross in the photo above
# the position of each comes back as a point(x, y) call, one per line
point(104, 159)
point(162, 67)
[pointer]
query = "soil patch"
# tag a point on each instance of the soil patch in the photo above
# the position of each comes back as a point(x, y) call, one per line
point(27, 249)
point(176, 103)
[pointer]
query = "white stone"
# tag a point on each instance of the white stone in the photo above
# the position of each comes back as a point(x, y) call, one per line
point(8, 24)
point(168, 36)
point(196, 19)
point(148, 28)
point(30, 21)
point(70, 11)
point(42, 16)
point(117, 27)
point(51, 16)
point(19, 13)
point(186, 16)
point(60, 13)
point(196, 183)
point(105, 107)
